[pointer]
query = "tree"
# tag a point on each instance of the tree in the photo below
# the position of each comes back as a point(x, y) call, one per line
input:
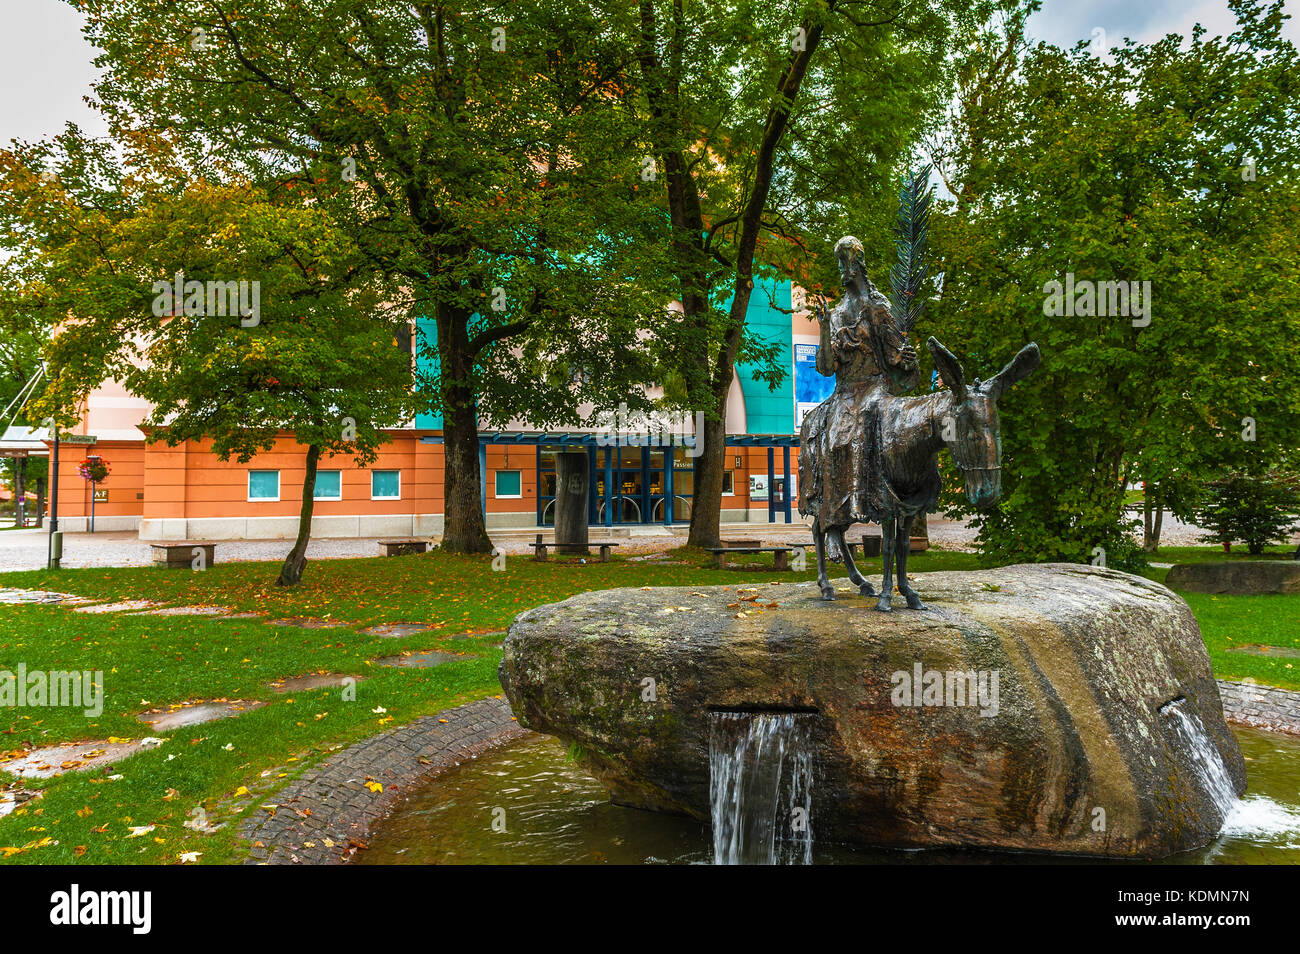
point(1141, 250)
point(1254, 510)
point(480, 160)
point(236, 313)
point(778, 128)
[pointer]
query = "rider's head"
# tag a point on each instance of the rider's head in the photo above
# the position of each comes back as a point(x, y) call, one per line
point(852, 259)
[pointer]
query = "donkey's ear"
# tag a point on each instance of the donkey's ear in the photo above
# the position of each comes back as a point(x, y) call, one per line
point(1017, 369)
point(949, 368)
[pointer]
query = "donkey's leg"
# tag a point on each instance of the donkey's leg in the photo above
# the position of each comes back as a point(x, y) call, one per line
point(855, 575)
point(905, 547)
point(819, 543)
point(887, 544)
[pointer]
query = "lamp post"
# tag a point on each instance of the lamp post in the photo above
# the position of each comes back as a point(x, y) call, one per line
point(56, 538)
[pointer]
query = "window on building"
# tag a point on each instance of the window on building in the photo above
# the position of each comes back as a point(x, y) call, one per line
point(385, 485)
point(509, 483)
point(329, 485)
point(728, 483)
point(263, 485)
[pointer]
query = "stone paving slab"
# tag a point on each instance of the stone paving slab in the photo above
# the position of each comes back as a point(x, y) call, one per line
point(1261, 649)
point(12, 596)
point(316, 680)
point(395, 630)
point(332, 808)
point(307, 622)
point(425, 660)
point(54, 760)
point(186, 611)
point(121, 607)
point(196, 713)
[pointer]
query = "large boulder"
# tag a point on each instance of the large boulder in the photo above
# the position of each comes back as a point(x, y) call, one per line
point(1245, 576)
point(1092, 681)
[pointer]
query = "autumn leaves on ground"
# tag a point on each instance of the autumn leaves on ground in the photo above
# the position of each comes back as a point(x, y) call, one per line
point(182, 800)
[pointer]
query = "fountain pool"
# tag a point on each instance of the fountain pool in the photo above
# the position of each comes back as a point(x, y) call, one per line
point(527, 804)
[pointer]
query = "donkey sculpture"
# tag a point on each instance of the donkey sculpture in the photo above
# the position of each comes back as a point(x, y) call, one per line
point(914, 429)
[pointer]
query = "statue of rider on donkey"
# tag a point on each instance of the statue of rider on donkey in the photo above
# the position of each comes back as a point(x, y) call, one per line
point(870, 455)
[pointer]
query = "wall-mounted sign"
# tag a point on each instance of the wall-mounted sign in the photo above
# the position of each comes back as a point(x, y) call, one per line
point(810, 386)
point(101, 496)
point(758, 486)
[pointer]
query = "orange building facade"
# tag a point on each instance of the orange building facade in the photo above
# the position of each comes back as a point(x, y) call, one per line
point(187, 493)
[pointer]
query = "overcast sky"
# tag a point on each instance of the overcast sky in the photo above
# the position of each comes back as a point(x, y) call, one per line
point(45, 65)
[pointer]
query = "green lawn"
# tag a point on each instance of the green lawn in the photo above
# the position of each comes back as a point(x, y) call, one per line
point(155, 661)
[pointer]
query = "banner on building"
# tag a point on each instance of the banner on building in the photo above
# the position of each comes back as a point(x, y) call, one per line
point(810, 387)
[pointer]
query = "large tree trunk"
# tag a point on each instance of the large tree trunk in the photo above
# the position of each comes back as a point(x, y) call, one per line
point(464, 528)
point(707, 506)
point(291, 572)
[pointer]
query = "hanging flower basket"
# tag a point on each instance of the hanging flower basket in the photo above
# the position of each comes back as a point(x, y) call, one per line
point(93, 469)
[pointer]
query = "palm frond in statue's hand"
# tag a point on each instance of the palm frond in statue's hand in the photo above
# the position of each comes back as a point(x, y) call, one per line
point(908, 277)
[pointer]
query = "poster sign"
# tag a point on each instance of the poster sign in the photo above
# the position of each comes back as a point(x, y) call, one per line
point(810, 387)
point(758, 486)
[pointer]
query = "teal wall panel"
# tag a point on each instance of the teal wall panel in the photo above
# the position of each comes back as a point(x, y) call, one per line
point(767, 411)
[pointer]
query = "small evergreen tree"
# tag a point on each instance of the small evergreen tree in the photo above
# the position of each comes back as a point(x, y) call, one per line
point(1254, 510)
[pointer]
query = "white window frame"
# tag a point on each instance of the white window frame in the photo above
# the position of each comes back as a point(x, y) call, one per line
point(496, 492)
point(386, 470)
point(732, 491)
point(340, 494)
point(249, 487)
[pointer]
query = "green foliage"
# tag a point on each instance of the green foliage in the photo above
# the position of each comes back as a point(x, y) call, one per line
point(1253, 510)
point(1133, 169)
point(481, 169)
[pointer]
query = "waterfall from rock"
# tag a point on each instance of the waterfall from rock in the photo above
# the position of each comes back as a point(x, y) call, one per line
point(760, 787)
point(1205, 755)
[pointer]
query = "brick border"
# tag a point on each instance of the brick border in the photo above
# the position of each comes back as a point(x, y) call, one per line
point(342, 809)
point(1261, 707)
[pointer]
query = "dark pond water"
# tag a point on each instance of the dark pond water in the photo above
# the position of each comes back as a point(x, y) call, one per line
point(526, 804)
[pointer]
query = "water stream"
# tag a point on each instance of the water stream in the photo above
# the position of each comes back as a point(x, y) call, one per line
point(760, 787)
point(1205, 754)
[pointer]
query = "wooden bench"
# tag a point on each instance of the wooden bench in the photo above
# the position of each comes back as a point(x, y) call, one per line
point(182, 554)
point(780, 558)
point(402, 547)
point(541, 546)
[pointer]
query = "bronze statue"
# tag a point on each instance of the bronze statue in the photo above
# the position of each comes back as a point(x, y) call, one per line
point(869, 455)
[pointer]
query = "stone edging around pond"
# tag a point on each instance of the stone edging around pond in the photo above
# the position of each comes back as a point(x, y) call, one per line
point(342, 808)
point(1261, 707)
